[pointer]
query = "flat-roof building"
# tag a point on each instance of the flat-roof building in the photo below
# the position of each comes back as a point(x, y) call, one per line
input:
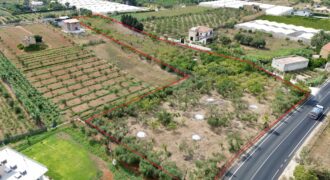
point(14, 165)
point(72, 26)
point(291, 63)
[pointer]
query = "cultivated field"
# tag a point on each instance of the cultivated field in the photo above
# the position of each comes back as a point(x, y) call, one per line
point(178, 26)
point(73, 77)
point(177, 11)
point(78, 82)
point(7, 18)
point(13, 118)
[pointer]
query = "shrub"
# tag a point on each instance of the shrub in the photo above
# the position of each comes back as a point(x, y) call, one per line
point(132, 22)
point(20, 46)
point(165, 118)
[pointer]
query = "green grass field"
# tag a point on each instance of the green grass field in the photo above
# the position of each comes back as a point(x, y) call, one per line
point(64, 158)
point(301, 21)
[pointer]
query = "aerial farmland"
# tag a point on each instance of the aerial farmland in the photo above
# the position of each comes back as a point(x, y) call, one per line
point(153, 90)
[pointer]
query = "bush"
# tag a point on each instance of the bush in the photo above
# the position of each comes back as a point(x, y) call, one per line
point(216, 121)
point(38, 38)
point(300, 173)
point(132, 22)
point(165, 118)
point(256, 41)
point(20, 46)
point(35, 47)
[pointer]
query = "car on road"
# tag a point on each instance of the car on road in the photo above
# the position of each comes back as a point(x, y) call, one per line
point(316, 112)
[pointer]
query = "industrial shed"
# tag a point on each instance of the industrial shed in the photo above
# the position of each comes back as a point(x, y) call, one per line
point(291, 63)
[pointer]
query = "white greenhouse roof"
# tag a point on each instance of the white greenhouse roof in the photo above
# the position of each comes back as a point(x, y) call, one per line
point(269, 8)
point(15, 164)
point(102, 6)
point(280, 29)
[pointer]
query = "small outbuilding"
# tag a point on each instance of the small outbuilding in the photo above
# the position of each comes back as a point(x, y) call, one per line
point(72, 26)
point(325, 51)
point(201, 34)
point(29, 40)
point(291, 63)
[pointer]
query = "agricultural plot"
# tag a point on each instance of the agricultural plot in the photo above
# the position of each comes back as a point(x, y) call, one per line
point(7, 18)
point(178, 26)
point(13, 118)
point(199, 124)
point(12, 36)
point(177, 11)
point(78, 82)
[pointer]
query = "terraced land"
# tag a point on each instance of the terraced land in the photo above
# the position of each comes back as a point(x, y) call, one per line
point(78, 82)
point(13, 119)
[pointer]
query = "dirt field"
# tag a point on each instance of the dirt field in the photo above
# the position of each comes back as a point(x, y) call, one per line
point(12, 36)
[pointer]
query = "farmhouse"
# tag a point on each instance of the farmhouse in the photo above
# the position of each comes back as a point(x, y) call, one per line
point(291, 63)
point(280, 30)
point(325, 51)
point(14, 165)
point(72, 26)
point(200, 34)
point(29, 40)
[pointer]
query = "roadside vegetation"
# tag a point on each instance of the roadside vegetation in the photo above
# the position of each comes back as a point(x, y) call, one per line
point(314, 163)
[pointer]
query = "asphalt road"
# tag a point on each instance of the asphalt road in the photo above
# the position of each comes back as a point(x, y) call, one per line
point(267, 159)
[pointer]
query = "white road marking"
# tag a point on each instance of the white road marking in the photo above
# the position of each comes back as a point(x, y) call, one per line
point(275, 173)
point(265, 138)
point(277, 148)
point(294, 149)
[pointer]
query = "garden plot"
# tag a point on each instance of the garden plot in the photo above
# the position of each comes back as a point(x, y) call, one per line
point(80, 83)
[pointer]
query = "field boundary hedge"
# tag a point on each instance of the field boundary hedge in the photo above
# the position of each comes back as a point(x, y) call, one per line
point(243, 149)
point(22, 136)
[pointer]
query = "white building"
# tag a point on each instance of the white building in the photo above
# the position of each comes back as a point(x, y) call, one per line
point(36, 3)
point(291, 63)
point(14, 165)
point(200, 34)
point(72, 26)
point(269, 9)
point(280, 30)
point(102, 6)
